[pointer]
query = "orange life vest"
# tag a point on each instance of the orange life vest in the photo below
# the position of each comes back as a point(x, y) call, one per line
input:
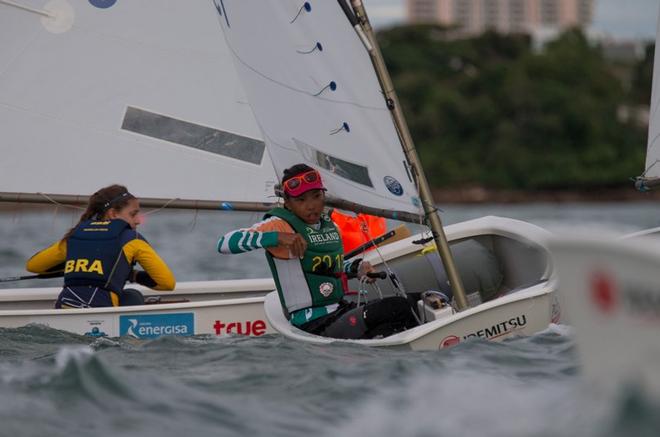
point(357, 230)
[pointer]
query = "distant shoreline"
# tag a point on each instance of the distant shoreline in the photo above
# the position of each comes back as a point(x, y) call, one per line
point(473, 195)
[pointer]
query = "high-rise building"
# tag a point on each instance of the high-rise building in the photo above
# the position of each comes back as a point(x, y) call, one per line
point(476, 16)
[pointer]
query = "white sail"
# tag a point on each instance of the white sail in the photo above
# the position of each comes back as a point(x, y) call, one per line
point(610, 293)
point(652, 166)
point(317, 99)
point(141, 93)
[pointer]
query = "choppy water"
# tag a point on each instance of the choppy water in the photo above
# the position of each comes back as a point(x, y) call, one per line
point(55, 383)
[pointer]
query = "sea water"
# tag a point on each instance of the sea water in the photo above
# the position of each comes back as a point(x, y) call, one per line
point(59, 384)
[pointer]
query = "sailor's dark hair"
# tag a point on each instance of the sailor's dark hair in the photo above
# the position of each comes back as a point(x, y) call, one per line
point(111, 197)
point(295, 170)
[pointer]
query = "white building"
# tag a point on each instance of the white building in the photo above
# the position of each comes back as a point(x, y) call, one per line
point(476, 16)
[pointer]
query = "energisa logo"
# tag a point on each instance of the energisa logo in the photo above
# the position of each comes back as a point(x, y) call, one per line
point(102, 4)
point(393, 185)
point(156, 325)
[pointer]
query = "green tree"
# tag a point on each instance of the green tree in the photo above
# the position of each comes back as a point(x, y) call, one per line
point(491, 111)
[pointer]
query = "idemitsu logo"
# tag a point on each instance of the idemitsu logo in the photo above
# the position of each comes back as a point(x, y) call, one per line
point(156, 325)
point(500, 329)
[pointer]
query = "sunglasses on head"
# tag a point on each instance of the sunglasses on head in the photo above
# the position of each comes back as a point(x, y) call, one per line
point(296, 181)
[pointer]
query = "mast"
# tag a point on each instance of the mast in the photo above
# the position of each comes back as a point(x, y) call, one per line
point(365, 31)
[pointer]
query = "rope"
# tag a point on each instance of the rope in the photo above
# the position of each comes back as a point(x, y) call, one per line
point(193, 224)
point(649, 168)
point(317, 46)
point(344, 126)
point(397, 284)
point(297, 90)
point(27, 8)
point(52, 223)
point(332, 85)
point(306, 6)
point(153, 211)
point(55, 202)
point(221, 10)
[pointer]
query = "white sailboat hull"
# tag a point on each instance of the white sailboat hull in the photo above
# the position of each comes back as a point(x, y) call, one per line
point(215, 317)
point(528, 304)
point(212, 307)
point(611, 291)
point(525, 313)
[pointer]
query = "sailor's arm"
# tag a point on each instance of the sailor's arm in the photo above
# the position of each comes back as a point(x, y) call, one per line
point(51, 259)
point(157, 274)
point(359, 268)
point(272, 234)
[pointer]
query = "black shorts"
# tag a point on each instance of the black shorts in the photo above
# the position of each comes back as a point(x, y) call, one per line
point(379, 318)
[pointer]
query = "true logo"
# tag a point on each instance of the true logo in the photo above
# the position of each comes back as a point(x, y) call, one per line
point(249, 327)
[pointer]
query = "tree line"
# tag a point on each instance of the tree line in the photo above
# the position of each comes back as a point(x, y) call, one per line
point(496, 112)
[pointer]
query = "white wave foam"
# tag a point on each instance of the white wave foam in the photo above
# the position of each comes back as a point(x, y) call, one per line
point(560, 329)
point(76, 354)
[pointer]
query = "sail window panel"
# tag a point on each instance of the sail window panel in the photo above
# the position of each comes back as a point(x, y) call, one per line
point(193, 135)
point(340, 167)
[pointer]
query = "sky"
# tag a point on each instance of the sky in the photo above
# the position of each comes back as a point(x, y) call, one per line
point(622, 19)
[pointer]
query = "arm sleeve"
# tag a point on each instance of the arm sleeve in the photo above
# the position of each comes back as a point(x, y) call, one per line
point(50, 259)
point(262, 235)
point(140, 251)
point(351, 267)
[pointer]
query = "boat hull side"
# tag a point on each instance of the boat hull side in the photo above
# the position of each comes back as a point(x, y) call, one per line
point(219, 317)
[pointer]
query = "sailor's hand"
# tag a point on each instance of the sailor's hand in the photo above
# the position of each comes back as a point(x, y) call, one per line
point(364, 268)
point(292, 241)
